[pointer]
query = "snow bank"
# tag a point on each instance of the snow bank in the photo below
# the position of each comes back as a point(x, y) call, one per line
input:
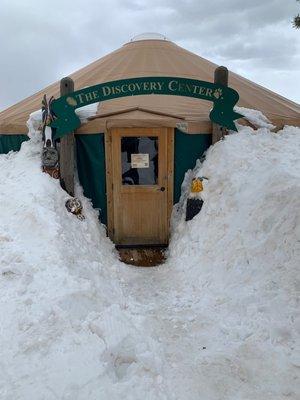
point(217, 321)
point(66, 331)
point(241, 255)
point(255, 117)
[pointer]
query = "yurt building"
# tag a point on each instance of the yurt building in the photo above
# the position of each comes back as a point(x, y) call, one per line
point(132, 153)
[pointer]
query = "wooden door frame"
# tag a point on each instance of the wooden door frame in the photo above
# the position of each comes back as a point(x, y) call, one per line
point(109, 172)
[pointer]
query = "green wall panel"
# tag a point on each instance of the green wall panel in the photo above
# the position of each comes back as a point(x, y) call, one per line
point(188, 148)
point(91, 170)
point(11, 142)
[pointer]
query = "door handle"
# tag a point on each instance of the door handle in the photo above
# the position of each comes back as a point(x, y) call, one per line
point(162, 189)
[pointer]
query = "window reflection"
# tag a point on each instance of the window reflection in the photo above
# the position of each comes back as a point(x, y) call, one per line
point(139, 160)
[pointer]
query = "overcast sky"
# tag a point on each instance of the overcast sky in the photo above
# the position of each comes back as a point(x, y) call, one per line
point(42, 41)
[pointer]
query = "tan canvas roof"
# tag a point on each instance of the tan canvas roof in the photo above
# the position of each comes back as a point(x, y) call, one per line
point(154, 58)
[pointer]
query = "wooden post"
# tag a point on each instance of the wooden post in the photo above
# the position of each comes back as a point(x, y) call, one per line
point(67, 147)
point(221, 78)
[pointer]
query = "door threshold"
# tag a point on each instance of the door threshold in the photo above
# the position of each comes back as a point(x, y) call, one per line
point(141, 246)
point(142, 256)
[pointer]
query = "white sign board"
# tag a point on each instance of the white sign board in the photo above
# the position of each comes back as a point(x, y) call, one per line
point(140, 160)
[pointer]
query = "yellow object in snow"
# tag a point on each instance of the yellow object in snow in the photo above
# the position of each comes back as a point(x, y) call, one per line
point(196, 185)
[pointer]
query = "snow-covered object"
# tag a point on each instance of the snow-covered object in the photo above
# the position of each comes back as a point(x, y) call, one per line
point(217, 321)
point(35, 121)
point(255, 117)
point(48, 135)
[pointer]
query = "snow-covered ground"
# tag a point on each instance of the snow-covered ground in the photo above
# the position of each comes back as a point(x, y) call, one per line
point(217, 321)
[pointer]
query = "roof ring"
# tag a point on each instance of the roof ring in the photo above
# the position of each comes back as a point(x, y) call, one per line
point(149, 36)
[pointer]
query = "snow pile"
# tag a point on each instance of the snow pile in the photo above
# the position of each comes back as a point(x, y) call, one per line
point(217, 321)
point(84, 113)
point(240, 258)
point(66, 331)
point(255, 117)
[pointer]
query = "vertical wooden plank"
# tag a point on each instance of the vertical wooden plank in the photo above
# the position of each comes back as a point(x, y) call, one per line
point(116, 184)
point(162, 134)
point(67, 147)
point(221, 78)
point(109, 183)
point(170, 168)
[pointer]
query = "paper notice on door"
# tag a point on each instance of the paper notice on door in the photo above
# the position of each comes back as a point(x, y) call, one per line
point(139, 160)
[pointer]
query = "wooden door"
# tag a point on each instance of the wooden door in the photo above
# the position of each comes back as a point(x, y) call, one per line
point(139, 184)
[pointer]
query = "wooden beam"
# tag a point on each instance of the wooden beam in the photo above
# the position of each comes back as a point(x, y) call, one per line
point(170, 168)
point(67, 147)
point(127, 110)
point(221, 78)
point(109, 182)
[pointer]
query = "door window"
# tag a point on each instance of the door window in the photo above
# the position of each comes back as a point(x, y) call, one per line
point(139, 160)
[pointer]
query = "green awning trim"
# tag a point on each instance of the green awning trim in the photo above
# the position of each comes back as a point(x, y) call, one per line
point(11, 142)
point(91, 170)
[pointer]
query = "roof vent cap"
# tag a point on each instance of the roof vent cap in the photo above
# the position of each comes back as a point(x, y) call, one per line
point(149, 36)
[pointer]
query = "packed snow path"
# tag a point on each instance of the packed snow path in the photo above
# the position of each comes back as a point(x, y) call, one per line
point(217, 321)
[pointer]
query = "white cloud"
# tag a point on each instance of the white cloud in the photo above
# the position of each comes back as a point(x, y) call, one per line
point(41, 42)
